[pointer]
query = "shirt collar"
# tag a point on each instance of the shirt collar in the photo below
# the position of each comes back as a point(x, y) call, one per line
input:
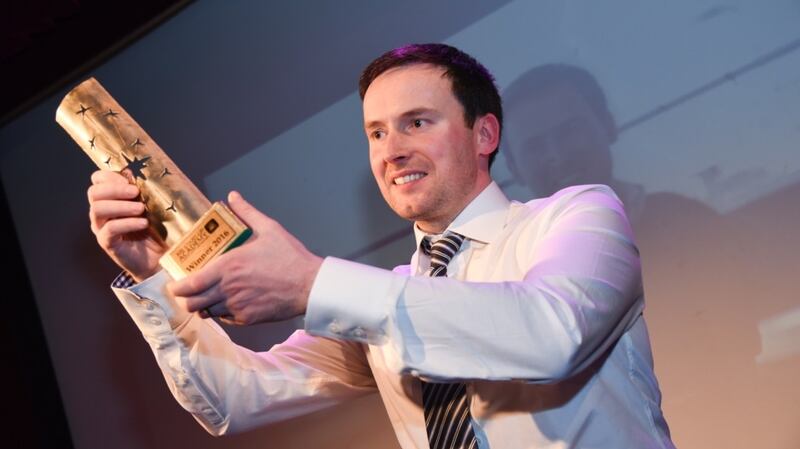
point(483, 219)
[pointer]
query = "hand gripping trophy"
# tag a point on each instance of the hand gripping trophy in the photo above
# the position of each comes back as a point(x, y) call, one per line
point(194, 229)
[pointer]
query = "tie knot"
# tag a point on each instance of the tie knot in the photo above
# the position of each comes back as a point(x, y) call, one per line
point(441, 251)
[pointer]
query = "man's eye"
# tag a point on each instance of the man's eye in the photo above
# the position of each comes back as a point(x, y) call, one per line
point(418, 123)
point(377, 135)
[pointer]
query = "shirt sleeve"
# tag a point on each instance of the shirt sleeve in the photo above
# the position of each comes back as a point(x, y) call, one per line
point(578, 291)
point(229, 388)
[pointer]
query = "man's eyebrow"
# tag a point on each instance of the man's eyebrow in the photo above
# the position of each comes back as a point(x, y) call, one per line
point(410, 113)
point(373, 124)
point(416, 111)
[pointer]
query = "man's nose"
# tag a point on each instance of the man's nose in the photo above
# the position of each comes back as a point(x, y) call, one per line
point(397, 149)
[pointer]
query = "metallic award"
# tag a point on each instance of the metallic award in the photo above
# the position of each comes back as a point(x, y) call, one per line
point(194, 229)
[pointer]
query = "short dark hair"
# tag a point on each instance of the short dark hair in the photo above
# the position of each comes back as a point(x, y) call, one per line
point(472, 85)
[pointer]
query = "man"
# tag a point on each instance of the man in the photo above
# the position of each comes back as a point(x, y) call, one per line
point(516, 326)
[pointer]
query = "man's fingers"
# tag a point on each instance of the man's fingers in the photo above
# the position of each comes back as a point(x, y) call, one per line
point(211, 298)
point(219, 310)
point(108, 176)
point(100, 211)
point(112, 230)
point(251, 216)
point(112, 191)
point(198, 282)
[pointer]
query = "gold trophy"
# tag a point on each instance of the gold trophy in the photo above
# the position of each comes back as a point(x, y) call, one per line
point(194, 229)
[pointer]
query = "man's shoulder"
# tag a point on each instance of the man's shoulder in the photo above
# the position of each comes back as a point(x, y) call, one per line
point(540, 214)
point(592, 193)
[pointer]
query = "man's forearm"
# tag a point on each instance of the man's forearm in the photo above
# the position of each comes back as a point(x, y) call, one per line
point(229, 388)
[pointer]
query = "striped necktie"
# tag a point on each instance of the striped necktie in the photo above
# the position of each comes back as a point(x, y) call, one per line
point(447, 417)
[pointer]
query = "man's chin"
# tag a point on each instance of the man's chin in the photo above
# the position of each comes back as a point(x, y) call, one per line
point(411, 212)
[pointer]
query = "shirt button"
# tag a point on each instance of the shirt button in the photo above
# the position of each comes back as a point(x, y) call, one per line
point(334, 327)
point(359, 332)
point(155, 321)
point(148, 305)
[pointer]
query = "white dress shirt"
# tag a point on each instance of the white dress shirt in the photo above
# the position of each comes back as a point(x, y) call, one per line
point(540, 315)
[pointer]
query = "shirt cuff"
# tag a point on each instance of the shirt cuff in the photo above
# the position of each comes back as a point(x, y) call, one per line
point(352, 301)
point(123, 280)
point(150, 293)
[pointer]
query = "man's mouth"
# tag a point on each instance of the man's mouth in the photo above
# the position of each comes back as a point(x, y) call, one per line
point(400, 180)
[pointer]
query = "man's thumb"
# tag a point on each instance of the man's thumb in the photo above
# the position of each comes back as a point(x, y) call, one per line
point(244, 210)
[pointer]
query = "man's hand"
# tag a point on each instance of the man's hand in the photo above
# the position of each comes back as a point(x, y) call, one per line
point(267, 279)
point(118, 223)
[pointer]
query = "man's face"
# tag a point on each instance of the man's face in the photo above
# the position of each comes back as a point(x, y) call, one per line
point(428, 164)
point(557, 141)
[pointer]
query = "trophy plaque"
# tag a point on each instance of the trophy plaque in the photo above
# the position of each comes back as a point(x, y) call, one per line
point(194, 229)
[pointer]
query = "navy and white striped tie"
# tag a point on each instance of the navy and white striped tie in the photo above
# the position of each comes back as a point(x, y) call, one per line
point(447, 416)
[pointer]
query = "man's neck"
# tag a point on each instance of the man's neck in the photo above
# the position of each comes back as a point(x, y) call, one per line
point(431, 229)
point(439, 226)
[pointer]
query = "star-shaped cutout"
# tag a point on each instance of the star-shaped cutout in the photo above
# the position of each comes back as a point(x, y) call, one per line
point(165, 172)
point(91, 141)
point(110, 113)
point(83, 110)
point(172, 207)
point(136, 165)
point(136, 143)
point(108, 161)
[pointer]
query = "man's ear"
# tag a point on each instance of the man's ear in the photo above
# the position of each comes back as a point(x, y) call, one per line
point(487, 133)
